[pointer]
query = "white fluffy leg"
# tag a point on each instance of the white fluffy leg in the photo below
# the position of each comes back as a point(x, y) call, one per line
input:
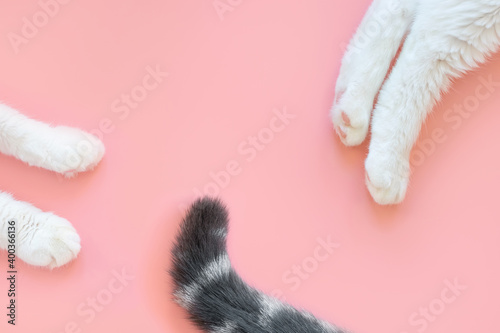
point(42, 239)
point(447, 39)
point(61, 149)
point(408, 95)
point(365, 66)
point(404, 101)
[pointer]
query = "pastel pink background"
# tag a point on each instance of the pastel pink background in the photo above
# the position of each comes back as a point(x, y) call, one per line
point(225, 79)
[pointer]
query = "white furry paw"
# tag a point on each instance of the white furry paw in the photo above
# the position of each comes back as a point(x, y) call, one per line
point(66, 150)
point(387, 177)
point(351, 117)
point(47, 240)
point(83, 151)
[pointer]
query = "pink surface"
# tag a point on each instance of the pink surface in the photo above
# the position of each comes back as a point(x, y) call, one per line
point(225, 79)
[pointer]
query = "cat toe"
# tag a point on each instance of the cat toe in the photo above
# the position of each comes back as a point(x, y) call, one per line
point(91, 155)
point(351, 122)
point(48, 241)
point(386, 180)
point(82, 152)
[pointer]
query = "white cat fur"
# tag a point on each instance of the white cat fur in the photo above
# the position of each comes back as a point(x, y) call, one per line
point(43, 239)
point(444, 39)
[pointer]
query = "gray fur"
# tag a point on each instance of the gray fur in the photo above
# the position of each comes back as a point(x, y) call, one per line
point(216, 298)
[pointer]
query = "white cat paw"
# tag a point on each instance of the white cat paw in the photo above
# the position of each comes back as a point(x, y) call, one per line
point(351, 118)
point(69, 151)
point(47, 240)
point(387, 177)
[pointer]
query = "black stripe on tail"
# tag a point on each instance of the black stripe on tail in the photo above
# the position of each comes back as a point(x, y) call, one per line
point(216, 298)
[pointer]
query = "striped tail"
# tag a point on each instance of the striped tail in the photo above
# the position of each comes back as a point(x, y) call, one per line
point(216, 298)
